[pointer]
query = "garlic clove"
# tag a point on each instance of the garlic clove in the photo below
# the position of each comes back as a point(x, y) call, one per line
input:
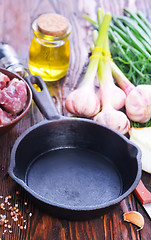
point(135, 218)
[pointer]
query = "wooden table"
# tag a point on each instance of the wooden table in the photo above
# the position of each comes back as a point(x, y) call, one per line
point(15, 29)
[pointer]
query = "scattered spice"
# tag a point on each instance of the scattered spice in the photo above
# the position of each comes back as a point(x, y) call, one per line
point(15, 219)
point(1, 222)
point(2, 205)
point(135, 218)
point(13, 215)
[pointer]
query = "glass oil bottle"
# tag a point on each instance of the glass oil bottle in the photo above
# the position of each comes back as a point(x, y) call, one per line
point(49, 52)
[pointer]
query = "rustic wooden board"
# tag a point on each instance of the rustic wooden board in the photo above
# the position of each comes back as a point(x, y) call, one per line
point(16, 18)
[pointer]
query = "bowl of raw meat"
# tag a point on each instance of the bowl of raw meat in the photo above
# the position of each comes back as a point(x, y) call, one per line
point(15, 99)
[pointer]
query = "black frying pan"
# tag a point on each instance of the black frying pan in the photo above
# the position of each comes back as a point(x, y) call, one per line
point(73, 167)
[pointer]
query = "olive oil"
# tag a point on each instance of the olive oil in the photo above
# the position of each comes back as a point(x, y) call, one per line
point(49, 55)
point(51, 62)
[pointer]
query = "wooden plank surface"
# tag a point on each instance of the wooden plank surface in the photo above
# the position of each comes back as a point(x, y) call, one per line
point(16, 18)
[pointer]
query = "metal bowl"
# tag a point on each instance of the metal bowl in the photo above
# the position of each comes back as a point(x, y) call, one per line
point(5, 128)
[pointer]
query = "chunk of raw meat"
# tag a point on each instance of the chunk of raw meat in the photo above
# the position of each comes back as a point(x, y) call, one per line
point(13, 98)
point(4, 117)
point(3, 80)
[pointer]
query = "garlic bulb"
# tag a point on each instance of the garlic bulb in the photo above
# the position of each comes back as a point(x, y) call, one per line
point(138, 104)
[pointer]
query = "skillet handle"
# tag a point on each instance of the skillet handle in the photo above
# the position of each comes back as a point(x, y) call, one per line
point(43, 98)
point(141, 192)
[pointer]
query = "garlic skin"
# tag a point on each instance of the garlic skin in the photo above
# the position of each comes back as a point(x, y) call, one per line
point(138, 99)
point(138, 104)
point(117, 120)
point(117, 98)
point(116, 95)
point(109, 116)
point(83, 102)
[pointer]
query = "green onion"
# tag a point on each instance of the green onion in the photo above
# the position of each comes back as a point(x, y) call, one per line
point(84, 101)
point(112, 97)
point(130, 46)
point(142, 17)
point(143, 26)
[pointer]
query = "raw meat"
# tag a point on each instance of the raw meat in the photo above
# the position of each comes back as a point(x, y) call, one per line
point(3, 80)
point(13, 98)
point(4, 117)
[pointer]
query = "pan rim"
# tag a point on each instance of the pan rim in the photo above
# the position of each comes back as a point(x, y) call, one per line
point(76, 208)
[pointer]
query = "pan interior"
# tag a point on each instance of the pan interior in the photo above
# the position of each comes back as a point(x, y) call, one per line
point(74, 178)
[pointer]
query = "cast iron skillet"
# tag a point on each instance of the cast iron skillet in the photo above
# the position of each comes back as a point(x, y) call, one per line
point(73, 167)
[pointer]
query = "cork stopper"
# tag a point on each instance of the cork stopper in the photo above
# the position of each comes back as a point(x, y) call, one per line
point(52, 24)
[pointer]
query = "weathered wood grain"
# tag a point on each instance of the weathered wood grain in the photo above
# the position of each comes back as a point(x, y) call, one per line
point(16, 18)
